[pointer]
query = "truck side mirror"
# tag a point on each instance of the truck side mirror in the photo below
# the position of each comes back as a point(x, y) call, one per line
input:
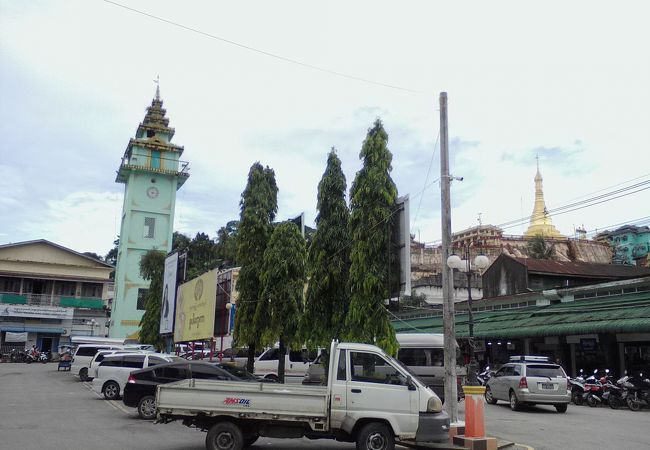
point(410, 384)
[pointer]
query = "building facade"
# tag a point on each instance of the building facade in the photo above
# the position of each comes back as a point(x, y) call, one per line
point(152, 172)
point(49, 293)
point(630, 244)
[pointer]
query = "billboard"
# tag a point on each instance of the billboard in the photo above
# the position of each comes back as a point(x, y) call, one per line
point(195, 308)
point(168, 307)
point(36, 312)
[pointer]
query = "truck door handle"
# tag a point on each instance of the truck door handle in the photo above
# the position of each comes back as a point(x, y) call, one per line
point(356, 391)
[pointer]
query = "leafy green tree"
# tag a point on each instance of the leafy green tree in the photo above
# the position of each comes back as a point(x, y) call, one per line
point(152, 267)
point(202, 255)
point(328, 263)
point(539, 249)
point(259, 203)
point(227, 244)
point(111, 257)
point(283, 283)
point(372, 202)
point(180, 242)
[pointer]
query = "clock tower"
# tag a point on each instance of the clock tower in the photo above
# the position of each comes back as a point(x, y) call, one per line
point(152, 172)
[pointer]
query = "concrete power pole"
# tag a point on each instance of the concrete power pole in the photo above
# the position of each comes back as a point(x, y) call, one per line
point(451, 389)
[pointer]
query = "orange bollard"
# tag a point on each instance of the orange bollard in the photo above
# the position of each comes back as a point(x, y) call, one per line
point(474, 411)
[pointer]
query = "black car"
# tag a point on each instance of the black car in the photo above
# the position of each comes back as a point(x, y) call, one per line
point(140, 390)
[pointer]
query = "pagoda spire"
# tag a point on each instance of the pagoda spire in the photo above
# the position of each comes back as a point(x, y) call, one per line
point(540, 221)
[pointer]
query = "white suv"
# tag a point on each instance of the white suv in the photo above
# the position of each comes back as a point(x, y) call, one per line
point(101, 354)
point(82, 357)
point(295, 365)
point(113, 372)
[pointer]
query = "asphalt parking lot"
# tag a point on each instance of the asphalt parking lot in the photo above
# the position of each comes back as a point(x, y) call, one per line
point(41, 408)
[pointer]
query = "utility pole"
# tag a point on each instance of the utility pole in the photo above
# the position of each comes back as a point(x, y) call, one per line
point(451, 389)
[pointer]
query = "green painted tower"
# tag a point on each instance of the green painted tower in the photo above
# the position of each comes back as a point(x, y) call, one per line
point(152, 172)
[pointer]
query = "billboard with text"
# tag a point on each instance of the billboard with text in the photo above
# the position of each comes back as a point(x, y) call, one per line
point(195, 308)
point(168, 307)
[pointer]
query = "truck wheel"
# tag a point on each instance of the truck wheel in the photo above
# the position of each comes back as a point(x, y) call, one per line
point(147, 407)
point(224, 436)
point(375, 436)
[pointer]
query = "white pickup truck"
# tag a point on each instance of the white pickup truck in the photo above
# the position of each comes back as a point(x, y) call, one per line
point(370, 399)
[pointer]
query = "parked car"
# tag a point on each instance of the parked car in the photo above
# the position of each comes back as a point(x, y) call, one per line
point(140, 389)
point(295, 366)
point(113, 372)
point(529, 380)
point(83, 354)
point(99, 357)
point(422, 353)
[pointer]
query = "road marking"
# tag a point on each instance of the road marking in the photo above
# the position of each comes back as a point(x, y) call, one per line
point(112, 403)
point(528, 447)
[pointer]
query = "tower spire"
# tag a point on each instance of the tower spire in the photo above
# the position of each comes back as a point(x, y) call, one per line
point(540, 221)
point(157, 81)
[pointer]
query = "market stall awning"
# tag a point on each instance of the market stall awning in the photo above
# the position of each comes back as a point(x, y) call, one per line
point(619, 314)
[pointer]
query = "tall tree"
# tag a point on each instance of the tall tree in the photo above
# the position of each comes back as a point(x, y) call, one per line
point(283, 283)
point(372, 202)
point(227, 244)
point(201, 256)
point(111, 257)
point(152, 268)
point(259, 203)
point(328, 263)
point(539, 249)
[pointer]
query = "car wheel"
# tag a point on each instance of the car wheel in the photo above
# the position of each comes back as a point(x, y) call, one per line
point(561, 407)
point(111, 390)
point(514, 403)
point(224, 436)
point(147, 407)
point(83, 374)
point(375, 436)
point(488, 396)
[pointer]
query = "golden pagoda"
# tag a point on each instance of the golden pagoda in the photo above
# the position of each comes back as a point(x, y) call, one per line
point(540, 221)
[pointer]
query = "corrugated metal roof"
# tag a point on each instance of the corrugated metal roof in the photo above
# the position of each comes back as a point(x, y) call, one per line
point(582, 269)
point(621, 314)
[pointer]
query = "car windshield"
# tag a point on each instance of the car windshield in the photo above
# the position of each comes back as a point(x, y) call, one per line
point(240, 373)
point(407, 369)
point(547, 371)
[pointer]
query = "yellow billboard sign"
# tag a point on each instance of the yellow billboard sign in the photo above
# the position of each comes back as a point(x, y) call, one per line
point(195, 308)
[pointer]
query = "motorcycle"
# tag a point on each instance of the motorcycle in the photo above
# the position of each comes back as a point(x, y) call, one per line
point(638, 393)
point(16, 356)
point(618, 394)
point(484, 376)
point(593, 391)
point(577, 386)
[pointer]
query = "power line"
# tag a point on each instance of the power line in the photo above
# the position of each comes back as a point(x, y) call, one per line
point(267, 53)
point(426, 180)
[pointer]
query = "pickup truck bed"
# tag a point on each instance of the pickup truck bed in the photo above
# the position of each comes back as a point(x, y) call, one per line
point(289, 403)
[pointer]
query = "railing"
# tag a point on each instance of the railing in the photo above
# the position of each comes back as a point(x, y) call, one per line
point(51, 300)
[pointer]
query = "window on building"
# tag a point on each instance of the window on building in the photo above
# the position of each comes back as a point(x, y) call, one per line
point(91, 290)
point(142, 299)
point(149, 227)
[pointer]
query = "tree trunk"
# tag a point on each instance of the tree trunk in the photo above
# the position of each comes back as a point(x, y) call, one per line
point(250, 364)
point(281, 353)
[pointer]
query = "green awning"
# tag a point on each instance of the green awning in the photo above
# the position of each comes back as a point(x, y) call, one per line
point(13, 299)
point(620, 314)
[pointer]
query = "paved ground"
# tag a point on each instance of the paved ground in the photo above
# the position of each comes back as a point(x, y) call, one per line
point(580, 428)
point(41, 408)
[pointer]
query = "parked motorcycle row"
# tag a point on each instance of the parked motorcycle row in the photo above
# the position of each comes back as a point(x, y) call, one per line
point(632, 392)
point(28, 356)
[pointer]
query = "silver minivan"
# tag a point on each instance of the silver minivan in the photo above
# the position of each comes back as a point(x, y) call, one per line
point(529, 380)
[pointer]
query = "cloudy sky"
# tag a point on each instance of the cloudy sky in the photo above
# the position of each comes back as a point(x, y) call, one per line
point(569, 81)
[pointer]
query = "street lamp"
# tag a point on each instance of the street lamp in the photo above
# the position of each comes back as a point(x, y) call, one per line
point(463, 265)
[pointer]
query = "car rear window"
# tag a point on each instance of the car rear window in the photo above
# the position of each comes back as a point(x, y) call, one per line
point(86, 351)
point(552, 371)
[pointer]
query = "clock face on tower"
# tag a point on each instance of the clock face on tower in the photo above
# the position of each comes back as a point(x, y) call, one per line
point(152, 192)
